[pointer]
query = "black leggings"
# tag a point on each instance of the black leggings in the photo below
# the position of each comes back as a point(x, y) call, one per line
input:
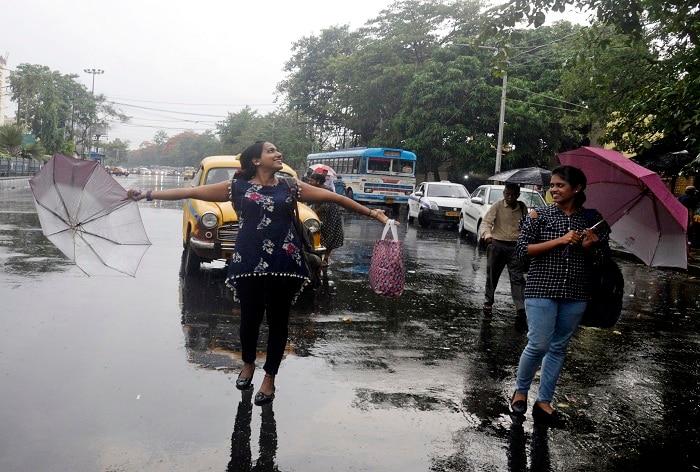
point(271, 295)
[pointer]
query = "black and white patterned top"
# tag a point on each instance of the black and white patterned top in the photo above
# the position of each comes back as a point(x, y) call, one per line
point(559, 274)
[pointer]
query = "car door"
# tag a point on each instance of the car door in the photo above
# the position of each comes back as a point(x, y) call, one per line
point(414, 201)
point(471, 210)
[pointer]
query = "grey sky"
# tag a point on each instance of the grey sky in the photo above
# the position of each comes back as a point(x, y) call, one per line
point(208, 57)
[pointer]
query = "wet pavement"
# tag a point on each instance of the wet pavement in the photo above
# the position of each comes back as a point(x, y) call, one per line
point(131, 374)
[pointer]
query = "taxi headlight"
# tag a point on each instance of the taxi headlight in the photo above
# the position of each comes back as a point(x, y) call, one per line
point(313, 225)
point(434, 206)
point(209, 220)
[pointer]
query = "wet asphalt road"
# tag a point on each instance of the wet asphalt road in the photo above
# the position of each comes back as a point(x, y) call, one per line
point(137, 374)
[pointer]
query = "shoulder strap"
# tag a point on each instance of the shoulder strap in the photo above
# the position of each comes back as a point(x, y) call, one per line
point(291, 183)
point(523, 207)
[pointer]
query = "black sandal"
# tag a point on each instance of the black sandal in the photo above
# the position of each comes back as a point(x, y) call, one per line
point(244, 383)
point(518, 407)
point(263, 398)
point(555, 419)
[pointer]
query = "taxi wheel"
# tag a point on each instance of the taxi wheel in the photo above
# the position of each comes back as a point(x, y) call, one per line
point(191, 261)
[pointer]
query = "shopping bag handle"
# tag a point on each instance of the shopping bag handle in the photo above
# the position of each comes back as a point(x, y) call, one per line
point(390, 224)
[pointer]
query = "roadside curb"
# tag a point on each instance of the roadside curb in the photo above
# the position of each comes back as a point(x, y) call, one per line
point(13, 182)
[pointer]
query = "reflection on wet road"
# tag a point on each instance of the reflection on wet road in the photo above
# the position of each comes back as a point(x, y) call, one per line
point(137, 374)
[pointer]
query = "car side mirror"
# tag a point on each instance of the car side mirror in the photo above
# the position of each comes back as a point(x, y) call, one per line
point(419, 194)
point(477, 200)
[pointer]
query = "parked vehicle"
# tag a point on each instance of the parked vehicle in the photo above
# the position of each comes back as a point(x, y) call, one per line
point(437, 202)
point(188, 173)
point(209, 229)
point(119, 171)
point(482, 198)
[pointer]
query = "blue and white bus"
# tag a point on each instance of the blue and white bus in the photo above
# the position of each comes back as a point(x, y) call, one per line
point(372, 175)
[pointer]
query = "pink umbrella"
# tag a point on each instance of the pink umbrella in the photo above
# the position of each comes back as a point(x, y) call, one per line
point(643, 214)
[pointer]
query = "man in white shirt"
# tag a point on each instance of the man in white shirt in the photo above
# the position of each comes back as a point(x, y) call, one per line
point(500, 230)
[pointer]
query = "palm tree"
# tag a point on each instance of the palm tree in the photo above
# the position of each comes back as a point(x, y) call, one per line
point(11, 140)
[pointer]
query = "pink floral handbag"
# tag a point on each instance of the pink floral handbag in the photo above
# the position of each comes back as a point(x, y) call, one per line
point(386, 271)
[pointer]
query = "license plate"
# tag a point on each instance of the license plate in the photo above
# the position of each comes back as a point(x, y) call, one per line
point(389, 201)
point(451, 213)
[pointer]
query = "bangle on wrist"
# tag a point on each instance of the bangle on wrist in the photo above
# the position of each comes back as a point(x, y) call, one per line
point(149, 198)
point(370, 213)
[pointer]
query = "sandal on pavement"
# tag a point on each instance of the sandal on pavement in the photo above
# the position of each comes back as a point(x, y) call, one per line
point(518, 407)
point(262, 398)
point(244, 383)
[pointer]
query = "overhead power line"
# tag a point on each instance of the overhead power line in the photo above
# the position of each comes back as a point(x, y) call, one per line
point(196, 104)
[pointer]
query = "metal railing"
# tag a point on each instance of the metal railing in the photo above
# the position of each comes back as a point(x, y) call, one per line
point(18, 167)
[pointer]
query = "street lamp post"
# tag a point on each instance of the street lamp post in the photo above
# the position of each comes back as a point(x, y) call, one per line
point(501, 120)
point(94, 72)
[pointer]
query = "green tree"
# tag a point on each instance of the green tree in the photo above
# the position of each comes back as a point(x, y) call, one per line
point(56, 108)
point(11, 140)
point(239, 130)
point(188, 148)
point(116, 151)
point(660, 112)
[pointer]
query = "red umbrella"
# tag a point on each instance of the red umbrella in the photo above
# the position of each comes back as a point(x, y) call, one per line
point(643, 214)
point(321, 167)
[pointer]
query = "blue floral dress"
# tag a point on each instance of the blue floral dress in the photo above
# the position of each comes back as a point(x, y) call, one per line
point(267, 242)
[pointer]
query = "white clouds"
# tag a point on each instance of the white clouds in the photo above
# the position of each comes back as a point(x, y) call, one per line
point(228, 52)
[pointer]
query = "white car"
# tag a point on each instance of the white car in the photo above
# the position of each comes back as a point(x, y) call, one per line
point(473, 211)
point(437, 202)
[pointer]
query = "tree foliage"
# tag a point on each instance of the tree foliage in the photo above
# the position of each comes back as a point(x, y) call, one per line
point(645, 71)
point(11, 140)
point(55, 108)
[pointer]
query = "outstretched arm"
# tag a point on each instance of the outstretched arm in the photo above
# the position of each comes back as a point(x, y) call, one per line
point(311, 194)
point(218, 192)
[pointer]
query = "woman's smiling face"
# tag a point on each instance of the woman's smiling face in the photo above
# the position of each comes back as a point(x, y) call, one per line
point(561, 190)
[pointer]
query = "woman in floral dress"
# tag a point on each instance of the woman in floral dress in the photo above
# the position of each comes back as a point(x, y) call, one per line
point(267, 270)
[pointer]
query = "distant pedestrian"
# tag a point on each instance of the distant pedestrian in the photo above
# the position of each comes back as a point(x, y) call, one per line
point(691, 201)
point(330, 214)
point(500, 229)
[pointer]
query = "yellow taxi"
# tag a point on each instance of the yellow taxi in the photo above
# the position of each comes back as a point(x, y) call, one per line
point(209, 229)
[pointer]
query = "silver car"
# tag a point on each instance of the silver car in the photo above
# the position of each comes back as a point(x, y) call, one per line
point(473, 210)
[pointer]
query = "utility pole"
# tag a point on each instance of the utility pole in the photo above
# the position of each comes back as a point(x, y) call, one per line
point(501, 120)
point(94, 72)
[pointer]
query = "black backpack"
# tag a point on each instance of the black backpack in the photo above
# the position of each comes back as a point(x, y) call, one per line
point(606, 288)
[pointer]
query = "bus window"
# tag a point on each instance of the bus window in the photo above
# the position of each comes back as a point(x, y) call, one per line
point(378, 165)
point(403, 166)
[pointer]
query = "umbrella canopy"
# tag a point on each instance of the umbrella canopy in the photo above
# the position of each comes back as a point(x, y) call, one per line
point(321, 167)
point(84, 212)
point(525, 176)
point(331, 175)
point(643, 214)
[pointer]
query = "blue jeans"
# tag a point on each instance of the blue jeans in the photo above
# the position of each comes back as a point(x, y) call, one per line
point(551, 323)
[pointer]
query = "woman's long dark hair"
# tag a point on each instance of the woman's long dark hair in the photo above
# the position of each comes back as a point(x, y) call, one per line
point(574, 176)
point(254, 151)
